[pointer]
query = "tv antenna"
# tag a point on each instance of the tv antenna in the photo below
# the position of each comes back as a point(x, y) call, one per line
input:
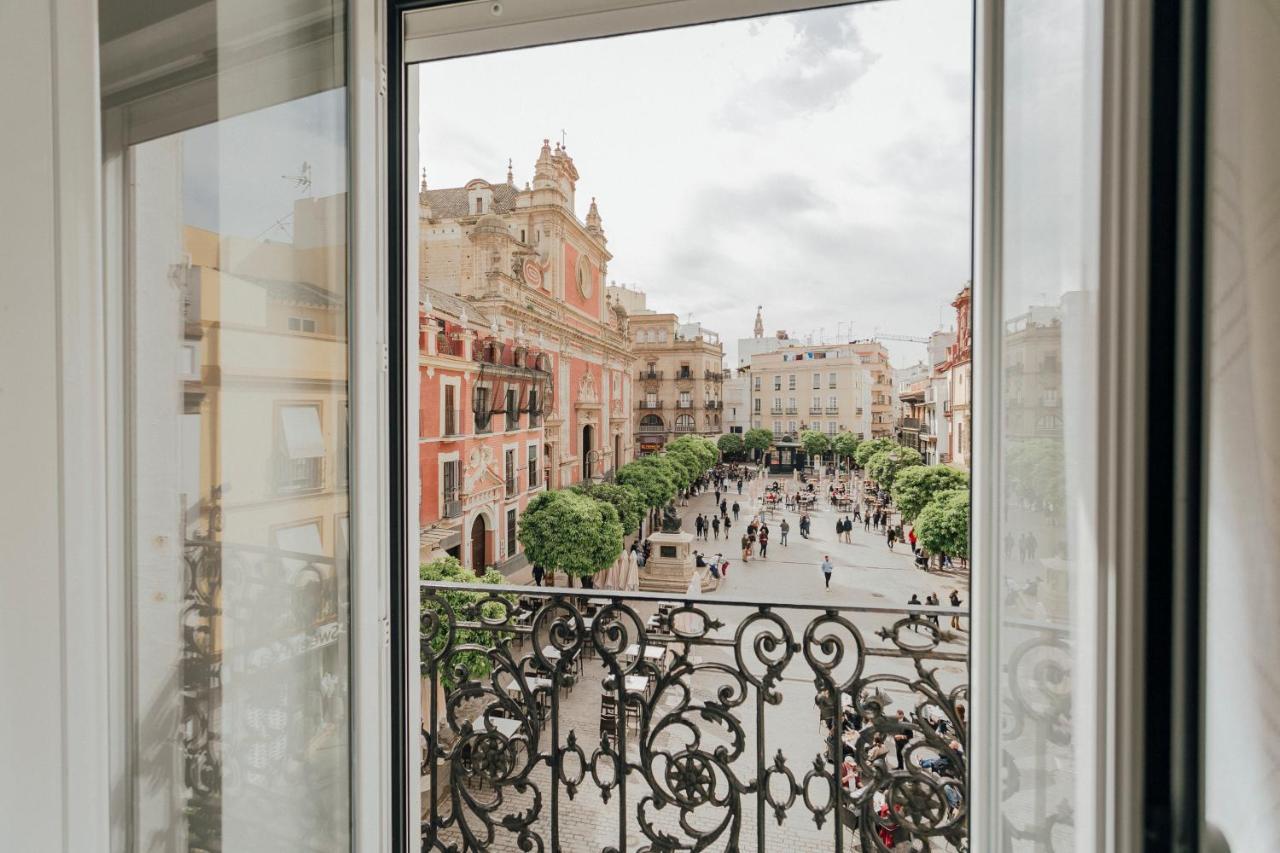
point(302, 180)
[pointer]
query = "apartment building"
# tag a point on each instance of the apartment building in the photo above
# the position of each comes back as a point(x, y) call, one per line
point(831, 388)
point(679, 373)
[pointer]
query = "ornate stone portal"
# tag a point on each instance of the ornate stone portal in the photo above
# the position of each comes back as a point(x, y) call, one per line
point(671, 565)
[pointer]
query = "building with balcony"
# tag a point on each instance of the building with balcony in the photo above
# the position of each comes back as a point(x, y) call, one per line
point(678, 369)
point(958, 370)
point(526, 371)
point(831, 388)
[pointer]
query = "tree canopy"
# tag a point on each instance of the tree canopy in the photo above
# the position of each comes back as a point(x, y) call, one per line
point(870, 448)
point(626, 500)
point(845, 445)
point(570, 532)
point(474, 663)
point(653, 477)
point(943, 525)
point(815, 444)
point(884, 466)
point(758, 439)
point(702, 451)
point(1036, 472)
point(730, 444)
point(915, 486)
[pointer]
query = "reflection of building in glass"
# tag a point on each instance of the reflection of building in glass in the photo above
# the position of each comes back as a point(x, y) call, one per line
point(1032, 352)
point(525, 364)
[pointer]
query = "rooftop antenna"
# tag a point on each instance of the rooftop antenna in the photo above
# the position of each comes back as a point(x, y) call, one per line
point(563, 139)
point(302, 180)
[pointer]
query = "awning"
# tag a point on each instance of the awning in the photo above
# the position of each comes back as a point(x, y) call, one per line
point(303, 437)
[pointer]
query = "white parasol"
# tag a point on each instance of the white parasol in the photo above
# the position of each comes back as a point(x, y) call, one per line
point(631, 581)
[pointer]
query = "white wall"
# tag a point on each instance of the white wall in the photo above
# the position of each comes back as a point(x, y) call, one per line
point(52, 631)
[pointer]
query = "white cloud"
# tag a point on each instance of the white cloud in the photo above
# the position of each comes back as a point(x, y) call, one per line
point(816, 163)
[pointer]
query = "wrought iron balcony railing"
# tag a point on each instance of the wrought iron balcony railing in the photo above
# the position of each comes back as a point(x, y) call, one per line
point(561, 719)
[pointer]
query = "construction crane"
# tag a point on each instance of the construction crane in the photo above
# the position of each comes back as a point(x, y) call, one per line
point(906, 338)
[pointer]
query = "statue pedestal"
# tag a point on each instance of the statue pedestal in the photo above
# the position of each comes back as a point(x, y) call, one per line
point(670, 566)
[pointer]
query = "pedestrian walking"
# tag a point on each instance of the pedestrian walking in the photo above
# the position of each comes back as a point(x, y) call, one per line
point(746, 548)
point(827, 569)
point(866, 521)
point(784, 529)
point(902, 736)
point(914, 617)
point(739, 486)
point(848, 530)
point(764, 542)
point(891, 536)
point(932, 600)
point(699, 525)
point(839, 529)
point(955, 602)
point(911, 537)
point(724, 507)
point(538, 574)
point(736, 508)
point(715, 526)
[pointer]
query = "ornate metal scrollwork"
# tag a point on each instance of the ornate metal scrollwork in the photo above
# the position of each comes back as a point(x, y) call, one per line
point(684, 762)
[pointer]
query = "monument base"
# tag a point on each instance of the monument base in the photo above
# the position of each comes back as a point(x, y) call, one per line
point(670, 566)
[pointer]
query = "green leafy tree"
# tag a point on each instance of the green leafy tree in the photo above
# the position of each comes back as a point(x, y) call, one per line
point(943, 525)
point(1036, 472)
point(699, 450)
point(758, 440)
point(915, 486)
point(626, 500)
point(815, 444)
point(884, 466)
point(652, 477)
point(845, 445)
point(570, 532)
point(731, 444)
point(870, 448)
point(473, 662)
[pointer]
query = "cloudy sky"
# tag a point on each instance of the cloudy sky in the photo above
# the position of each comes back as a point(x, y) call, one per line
point(815, 163)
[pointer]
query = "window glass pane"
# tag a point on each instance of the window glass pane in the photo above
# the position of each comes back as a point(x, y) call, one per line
point(1047, 411)
point(236, 372)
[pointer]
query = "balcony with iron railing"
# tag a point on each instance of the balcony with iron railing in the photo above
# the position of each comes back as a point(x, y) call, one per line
point(560, 719)
point(815, 410)
point(684, 404)
point(713, 376)
point(714, 405)
point(651, 375)
point(793, 410)
point(653, 428)
point(833, 410)
point(651, 404)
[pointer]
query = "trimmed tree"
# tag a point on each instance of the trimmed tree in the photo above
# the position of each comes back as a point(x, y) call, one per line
point(845, 445)
point(884, 466)
point(694, 453)
point(652, 477)
point(815, 444)
point(758, 440)
point(626, 501)
point(864, 451)
point(915, 486)
point(730, 444)
point(570, 532)
point(472, 664)
point(943, 525)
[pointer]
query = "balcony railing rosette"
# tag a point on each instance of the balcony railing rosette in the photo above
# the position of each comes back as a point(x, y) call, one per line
point(697, 759)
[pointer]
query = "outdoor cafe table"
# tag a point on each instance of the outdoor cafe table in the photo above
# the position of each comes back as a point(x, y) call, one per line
point(501, 725)
point(636, 683)
point(534, 682)
point(654, 653)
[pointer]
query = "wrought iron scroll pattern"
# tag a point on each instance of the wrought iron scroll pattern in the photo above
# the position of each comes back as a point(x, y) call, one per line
point(701, 749)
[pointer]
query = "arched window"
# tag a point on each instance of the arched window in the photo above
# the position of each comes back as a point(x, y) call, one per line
point(685, 423)
point(652, 423)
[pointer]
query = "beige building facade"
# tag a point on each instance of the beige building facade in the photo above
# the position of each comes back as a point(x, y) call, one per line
point(830, 388)
point(679, 376)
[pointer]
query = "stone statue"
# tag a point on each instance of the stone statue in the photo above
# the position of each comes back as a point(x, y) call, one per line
point(670, 521)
